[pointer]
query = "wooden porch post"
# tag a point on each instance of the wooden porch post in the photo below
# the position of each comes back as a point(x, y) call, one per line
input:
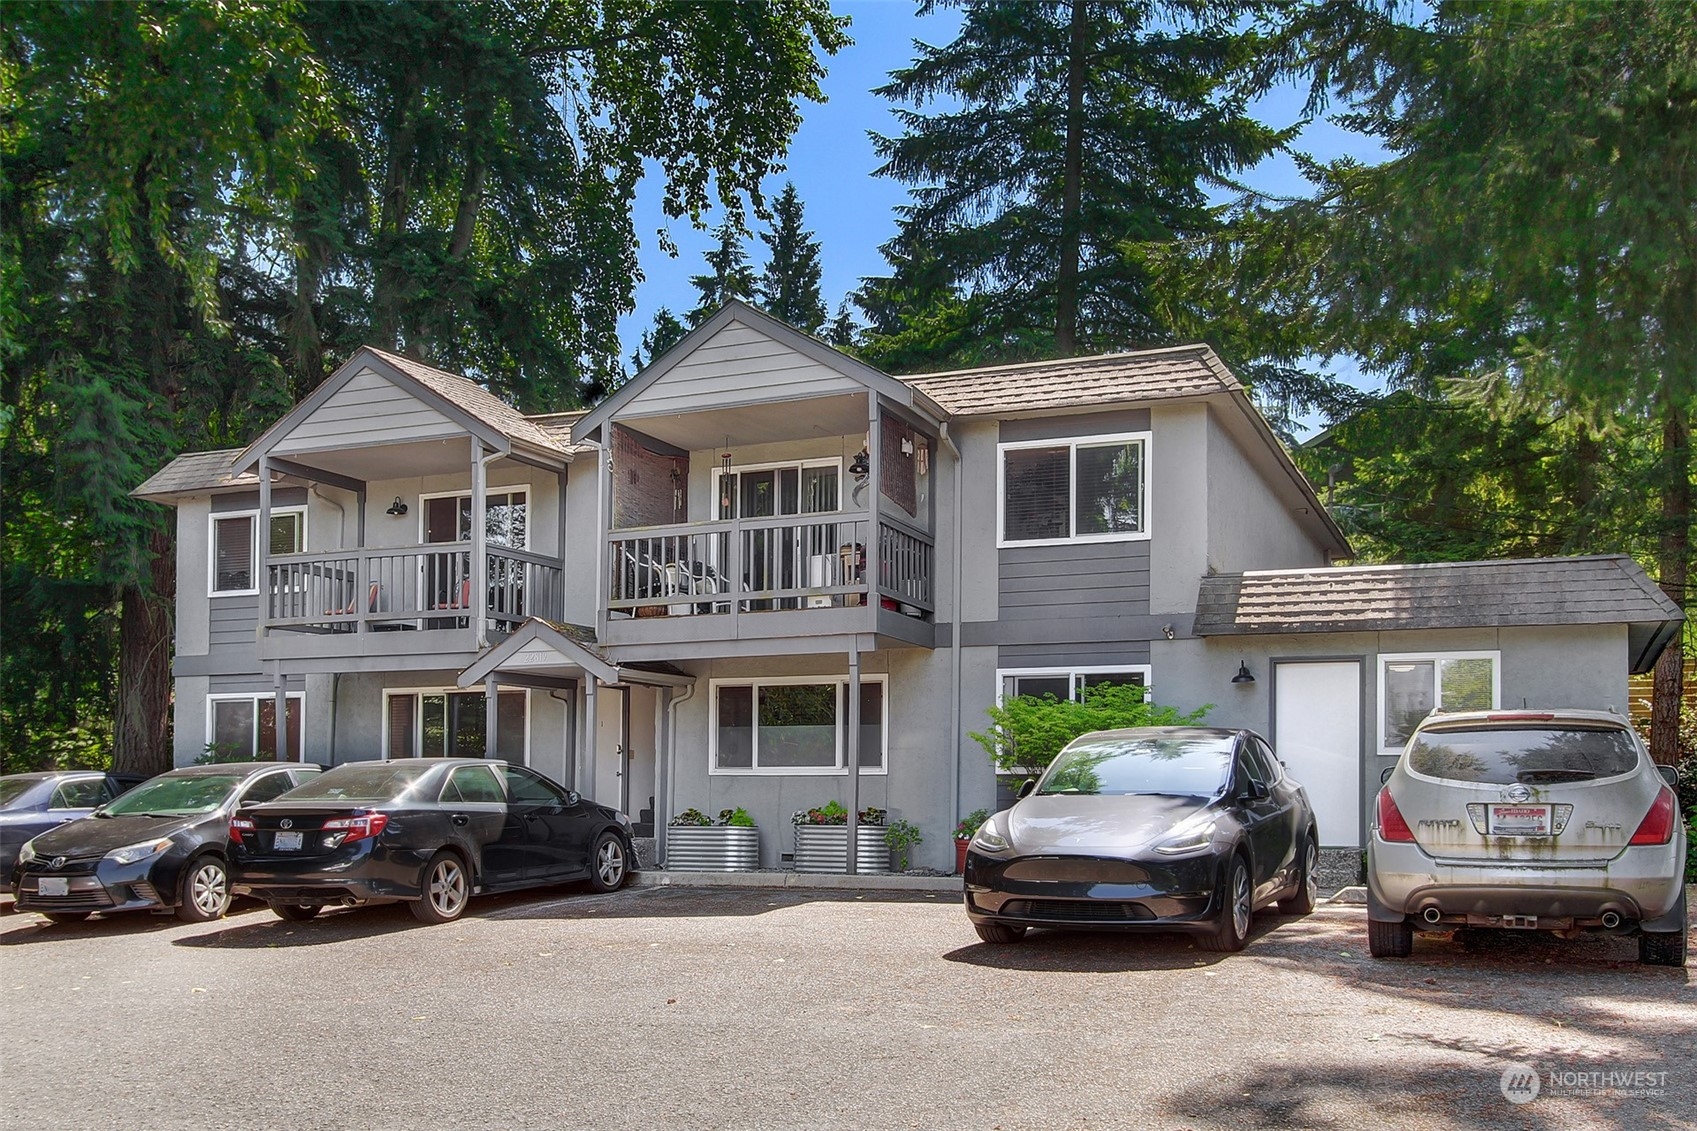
point(479, 550)
point(853, 754)
point(491, 694)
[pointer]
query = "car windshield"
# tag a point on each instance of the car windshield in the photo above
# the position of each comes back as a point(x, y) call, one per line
point(169, 796)
point(1540, 754)
point(1194, 765)
point(12, 790)
point(377, 781)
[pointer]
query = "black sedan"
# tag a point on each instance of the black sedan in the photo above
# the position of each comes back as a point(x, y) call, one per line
point(160, 847)
point(30, 804)
point(1163, 828)
point(426, 832)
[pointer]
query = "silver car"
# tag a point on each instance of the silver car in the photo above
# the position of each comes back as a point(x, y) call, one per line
point(1537, 820)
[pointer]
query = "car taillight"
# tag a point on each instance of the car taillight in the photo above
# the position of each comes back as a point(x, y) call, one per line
point(1391, 825)
point(361, 826)
point(1657, 825)
point(238, 826)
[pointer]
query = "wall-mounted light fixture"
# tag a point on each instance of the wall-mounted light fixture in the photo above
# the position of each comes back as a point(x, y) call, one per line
point(1167, 631)
point(1243, 675)
point(397, 508)
point(862, 465)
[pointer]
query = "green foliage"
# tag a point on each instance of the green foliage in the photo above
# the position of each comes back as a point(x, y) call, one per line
point(691, 818)
point(901, 836)
point(220, 752)
point(737, 818)
point(1027, 731)
point(788, 288)
point(834, 813)
point(728, 274)
point(970, 823)
point(665, 333)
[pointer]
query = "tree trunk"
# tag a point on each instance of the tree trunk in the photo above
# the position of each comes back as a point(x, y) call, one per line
point(395, 213)
point(143, 727)
point(1072, 186)
point(1674, 564)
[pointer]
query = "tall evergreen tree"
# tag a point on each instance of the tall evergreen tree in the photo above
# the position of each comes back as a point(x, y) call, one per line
point(665, 333)
point(1083, 126)
point(728, 273)
point(789, 286)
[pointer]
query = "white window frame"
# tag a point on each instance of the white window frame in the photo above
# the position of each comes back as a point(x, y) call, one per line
point(492, 489)
point(418, 714)
point(1072, 674)
point(1436, 659)
point(841, 769)
point(1073, 443)
point(214, 519)
point(798, 465)
point(256, 697)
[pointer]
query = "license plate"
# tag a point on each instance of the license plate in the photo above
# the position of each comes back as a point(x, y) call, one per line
point(1520, 820)
point(287, 842)
point(54, 885)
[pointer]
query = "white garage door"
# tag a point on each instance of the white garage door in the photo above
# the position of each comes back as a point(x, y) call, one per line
point(1317, 724)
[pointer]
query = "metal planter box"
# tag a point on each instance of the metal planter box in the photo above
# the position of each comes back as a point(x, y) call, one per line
point(712, 848)
point(824, 848)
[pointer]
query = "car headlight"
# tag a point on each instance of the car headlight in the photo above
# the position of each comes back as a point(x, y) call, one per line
point(27, 852)
point(988, 839)
point(134, 853)
point(1187, 838)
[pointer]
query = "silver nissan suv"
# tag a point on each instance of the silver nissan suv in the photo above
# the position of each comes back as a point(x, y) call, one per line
point(1537, 820)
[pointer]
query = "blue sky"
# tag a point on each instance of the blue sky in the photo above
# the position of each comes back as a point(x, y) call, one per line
point(831, 162)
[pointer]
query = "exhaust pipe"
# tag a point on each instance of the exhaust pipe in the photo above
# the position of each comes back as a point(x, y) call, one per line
point(1611, 920)
point(1432, 914)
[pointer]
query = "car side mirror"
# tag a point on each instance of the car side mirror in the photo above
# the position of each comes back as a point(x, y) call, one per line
point(573, 797)
point(1670, 774)
point(1255, 791)
point(1385, 774)
point(1026, 787)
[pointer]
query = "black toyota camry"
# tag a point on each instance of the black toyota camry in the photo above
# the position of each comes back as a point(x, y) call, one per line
point(426, 832)
point(1163, 828)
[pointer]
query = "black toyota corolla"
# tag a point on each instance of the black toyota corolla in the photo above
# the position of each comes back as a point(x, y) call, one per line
point(1163, 828)
point(427, 832)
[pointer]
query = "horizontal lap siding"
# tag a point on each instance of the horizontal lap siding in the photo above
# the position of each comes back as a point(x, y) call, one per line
point(368, 410)
point(232, 623)
point(738, 366)
point(1081, 655)
point(1065, 582)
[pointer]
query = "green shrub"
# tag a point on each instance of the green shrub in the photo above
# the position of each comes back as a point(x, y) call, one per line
point(737, 818)
point(690, 818)
point(1027, 731)
point(901, 836)
point(970, 823)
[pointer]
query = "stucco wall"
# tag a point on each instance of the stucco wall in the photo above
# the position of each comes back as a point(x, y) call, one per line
point(1178, 506)
point(1249, 526)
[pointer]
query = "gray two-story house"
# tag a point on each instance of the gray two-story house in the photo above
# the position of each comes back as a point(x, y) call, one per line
point(764, 574)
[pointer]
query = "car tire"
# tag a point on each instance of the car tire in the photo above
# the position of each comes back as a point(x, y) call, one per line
point(609, 863)
point(1307, 894)
point(66, 916)
point(1000, 934)
point(1232, 933)
point(1390, 940)
point(296, 912)
point(203, 894)
point(445, 890)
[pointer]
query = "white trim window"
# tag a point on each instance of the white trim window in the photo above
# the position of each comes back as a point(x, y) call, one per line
point(233, 550)
point(450, 722)
point(794, 725)
point(1414, 684)
point(1069, 682)
point(773, 490)
point(244, 726)
point(1083, 489)
point(445, 516)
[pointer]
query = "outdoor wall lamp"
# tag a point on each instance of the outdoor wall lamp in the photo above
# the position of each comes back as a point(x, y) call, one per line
point(1243, 675)
point(397, 508)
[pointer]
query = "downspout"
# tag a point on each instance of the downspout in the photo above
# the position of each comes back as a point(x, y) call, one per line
point(336, 677)
point(663, 766)
point(954, 636)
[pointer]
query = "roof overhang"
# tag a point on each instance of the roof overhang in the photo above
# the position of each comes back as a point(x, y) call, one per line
point(540, 648)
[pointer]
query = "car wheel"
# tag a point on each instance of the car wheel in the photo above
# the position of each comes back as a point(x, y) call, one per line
point(1307, 894)
point(446, 887)
point(608, 864)
point(1235, 917)
point(1000, 933)
point(66, 916)
point(1390, 940)
point(1661, 948)
point(205, 893)
point(296, 912)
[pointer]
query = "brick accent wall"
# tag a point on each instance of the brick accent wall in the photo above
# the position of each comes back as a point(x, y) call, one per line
point(643, 491)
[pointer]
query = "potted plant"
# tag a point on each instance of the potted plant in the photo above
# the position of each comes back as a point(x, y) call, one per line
point(968, 825)
point(696, 842)
point(901, 836)
point(821, 840)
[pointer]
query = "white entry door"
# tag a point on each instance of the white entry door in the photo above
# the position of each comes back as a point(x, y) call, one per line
point(1317, 721)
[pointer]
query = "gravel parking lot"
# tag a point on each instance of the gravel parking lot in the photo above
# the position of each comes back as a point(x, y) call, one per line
point(701, 1008)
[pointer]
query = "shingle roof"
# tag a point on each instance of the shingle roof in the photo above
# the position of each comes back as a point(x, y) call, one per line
point(474, 399)
point(1078, 382)
point(559, 425)
point(1606, 589)
point(195, 471)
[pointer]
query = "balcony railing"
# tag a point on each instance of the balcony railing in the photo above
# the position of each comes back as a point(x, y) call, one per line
point(409, 588)
point(767, 565)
